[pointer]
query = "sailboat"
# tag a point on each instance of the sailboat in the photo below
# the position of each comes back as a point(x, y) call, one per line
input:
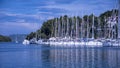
point(93, 42)
point(26, 42)
point(16, 39)
point(119, 22)
point(116, 42)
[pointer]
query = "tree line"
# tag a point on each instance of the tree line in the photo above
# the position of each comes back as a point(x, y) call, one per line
point(4, 39)
point(47, 29)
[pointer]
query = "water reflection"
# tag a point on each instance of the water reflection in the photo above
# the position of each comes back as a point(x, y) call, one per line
point(33, 56)
point(85, 58)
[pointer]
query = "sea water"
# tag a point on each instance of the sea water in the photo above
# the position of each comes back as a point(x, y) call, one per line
point(14, 55)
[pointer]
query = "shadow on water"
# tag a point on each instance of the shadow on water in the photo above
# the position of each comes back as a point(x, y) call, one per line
point(41, 56)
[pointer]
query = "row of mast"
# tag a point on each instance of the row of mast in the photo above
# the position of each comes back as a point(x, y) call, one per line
point(119, 19)
point(73, 29)
point(76, 29)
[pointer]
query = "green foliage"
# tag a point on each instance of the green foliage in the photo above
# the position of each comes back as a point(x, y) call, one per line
point(4, 39)
point(30, 36)
point(48, 27)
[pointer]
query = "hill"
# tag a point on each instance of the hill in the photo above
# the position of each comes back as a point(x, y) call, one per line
point(5, 38)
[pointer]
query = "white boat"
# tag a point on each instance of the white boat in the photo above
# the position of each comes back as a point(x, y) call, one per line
point(40, 41)
point(16, 39)
point(26, 42)
point(94, 43)
point(33, 41)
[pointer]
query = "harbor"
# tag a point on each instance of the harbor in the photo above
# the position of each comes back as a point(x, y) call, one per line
point(87, 30)
point(76, 31)
point(60, 34)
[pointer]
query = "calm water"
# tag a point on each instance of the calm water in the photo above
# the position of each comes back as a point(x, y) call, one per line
point(37, 56)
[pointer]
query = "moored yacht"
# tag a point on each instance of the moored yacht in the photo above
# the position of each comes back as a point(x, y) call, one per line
point(25, 42)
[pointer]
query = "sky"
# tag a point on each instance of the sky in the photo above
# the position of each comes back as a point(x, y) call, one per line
point(25, 16)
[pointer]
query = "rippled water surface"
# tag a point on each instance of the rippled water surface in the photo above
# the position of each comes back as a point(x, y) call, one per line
point(40, 56)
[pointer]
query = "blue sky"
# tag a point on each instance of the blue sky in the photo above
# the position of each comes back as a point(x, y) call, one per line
point(25, 16)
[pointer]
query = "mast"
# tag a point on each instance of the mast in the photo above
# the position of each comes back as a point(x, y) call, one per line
point(87, 26)
point(52, 34)
point(40, 34)
point(76, 27)
point(71, 29)
point(110, 28)
point(72, 26)
point(62, 27)
point(67, 34)
point(36, 36)
point(119, 19)
point(81, 28)
point(114, 21)
point(105, 29)
point(58, 28)
point(16, 39)
point(55, 27)
point(99, 29)
point(93, 28)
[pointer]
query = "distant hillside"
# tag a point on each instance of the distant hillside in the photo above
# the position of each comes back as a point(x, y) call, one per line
point(4, 39)
point(17, 37)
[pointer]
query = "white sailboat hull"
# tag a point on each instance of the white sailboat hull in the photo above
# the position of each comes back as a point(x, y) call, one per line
point(25, 42)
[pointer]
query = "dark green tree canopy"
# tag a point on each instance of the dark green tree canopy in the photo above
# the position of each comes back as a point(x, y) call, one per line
point(48, 27)
point(4, 39)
